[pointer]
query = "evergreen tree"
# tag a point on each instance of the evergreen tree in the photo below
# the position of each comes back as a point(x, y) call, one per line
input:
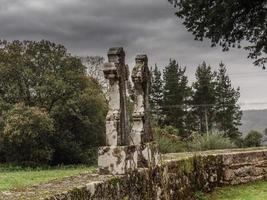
point(156, 95)
point(175, 97)
point(228, 113)
point(203, 98)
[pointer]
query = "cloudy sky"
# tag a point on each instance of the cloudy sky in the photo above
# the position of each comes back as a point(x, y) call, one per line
point(90, 27)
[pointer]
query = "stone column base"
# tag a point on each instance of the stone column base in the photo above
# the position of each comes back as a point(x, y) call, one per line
point(148, 155)
point(119, 160)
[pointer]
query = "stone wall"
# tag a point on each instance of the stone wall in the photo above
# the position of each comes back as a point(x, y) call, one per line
point(177, 178)
point(181, 178)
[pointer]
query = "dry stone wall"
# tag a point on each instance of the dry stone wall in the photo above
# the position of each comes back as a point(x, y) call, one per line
point(177, 178)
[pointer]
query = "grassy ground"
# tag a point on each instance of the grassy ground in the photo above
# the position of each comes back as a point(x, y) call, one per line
point(252, 191)
point(17, 178)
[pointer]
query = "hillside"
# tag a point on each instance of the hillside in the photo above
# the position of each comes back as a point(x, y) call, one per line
point(254, 120)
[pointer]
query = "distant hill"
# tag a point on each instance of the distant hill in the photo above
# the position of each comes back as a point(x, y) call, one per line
point(253, 120)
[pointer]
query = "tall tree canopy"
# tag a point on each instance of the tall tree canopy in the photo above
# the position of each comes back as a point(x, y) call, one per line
point(203, 100)
point(228, 112)
point(45, 76)
point(176, 94)
point(227, 23)
point(156, 94)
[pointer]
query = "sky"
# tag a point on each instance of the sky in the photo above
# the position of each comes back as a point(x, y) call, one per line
point(90, 27)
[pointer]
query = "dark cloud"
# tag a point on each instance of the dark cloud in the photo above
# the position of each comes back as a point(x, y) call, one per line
point(90, 27)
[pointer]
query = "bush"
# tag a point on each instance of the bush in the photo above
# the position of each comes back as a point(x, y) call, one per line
point(27, 133)
point(210, 141)
point(168, 142)
point(253, 139)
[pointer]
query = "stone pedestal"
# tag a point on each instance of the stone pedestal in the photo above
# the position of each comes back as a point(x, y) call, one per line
point(148, 155)
point(119, 160)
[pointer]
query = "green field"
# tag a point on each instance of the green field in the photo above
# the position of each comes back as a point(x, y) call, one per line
point(17, 178)
point(251, 191)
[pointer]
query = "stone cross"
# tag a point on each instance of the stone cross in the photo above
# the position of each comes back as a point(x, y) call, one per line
point(117, 127)
point(141, 130)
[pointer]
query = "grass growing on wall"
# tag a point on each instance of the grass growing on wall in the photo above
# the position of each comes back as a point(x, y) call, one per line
point(16, 177)
point(251, 191)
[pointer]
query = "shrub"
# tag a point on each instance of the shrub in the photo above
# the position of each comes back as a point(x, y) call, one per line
point(168, 141)
point(253, 139)
point(27, 134)
point(211, 141)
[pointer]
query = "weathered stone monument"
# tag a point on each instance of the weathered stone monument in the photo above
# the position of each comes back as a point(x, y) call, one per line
point(127, 149)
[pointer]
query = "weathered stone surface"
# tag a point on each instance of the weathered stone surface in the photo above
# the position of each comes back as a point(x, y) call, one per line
point(117, 157)
point(117, 160)
point(117, 127)
point(141, 130)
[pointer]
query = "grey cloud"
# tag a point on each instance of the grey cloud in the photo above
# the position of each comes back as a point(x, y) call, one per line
point(90, 27)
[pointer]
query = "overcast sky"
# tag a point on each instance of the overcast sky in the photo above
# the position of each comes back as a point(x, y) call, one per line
point(90, 27)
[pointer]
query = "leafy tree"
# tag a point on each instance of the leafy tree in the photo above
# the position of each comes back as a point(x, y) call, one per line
point(80, 126)
point(27, 135)
point(203, 99)
point(94, 68)
point(175, 97)
point(228, 112)
point(156, 95)
point(227, 23)
point(253, 139)
point(44, 75)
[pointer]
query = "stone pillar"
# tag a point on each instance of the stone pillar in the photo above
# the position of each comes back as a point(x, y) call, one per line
point(141, 133)
point(117, 128)
point(141, 130)
point(116, 157)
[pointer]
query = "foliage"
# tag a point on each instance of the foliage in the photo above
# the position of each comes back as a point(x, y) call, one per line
point(228, 112)
point(204, 98)
point(253, 139)
point(27, 134)
point(175, 97)
point(80, 126)
point(227, 23)
point(210, 141)
point(44, 75)
point(156, 95)
point(168, 142)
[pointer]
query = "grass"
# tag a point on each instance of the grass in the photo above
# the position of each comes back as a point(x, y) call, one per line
point(17, 178)
point(251, 191)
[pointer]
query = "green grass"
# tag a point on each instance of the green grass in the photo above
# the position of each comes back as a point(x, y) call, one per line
point(16, 177)
point(251, 191)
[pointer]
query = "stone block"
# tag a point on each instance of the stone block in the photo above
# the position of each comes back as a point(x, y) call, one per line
point(148, 155)
point(117, 160)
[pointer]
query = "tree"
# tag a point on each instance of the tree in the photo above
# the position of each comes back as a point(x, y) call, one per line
point(227, 23)
point(156, 95)
point(228, 112)
point(44, 75)
point(94, 68)
point(27, 135)
point(175, 97)
point(203, 99)
point(253, 139)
